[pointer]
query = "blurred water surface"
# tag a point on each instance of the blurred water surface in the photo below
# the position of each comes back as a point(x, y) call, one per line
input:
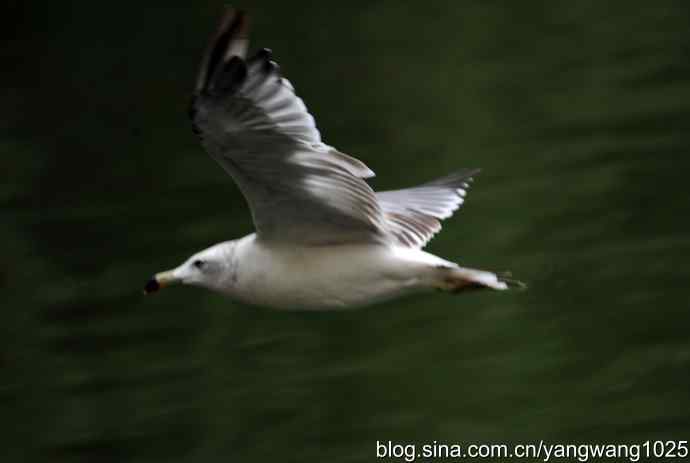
point(578, 114)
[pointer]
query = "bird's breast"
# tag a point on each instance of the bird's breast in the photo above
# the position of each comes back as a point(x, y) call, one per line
point(317, 277)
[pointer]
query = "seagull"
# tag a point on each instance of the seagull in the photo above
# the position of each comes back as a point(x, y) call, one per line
point(324, 239)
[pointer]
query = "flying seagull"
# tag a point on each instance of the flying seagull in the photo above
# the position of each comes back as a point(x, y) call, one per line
point(324, 239)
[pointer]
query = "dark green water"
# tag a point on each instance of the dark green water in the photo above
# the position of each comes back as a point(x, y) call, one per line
point(578, 114)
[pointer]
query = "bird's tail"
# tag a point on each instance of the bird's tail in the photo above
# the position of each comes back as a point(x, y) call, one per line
point(457, 279)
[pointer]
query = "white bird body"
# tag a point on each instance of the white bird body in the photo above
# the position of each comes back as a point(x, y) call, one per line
point(323, 277)
point(324, 238)
point(280, 275)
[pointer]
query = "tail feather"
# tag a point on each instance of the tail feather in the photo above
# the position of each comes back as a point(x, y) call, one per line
point(456, 279)
point(507, 278)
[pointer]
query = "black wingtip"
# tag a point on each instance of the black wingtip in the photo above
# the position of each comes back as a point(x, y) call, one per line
point(233, 27)
point(230, 77)
point(264, 54)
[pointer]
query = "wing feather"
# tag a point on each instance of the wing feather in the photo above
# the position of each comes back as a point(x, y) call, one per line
point(253, 124)
point(414, 214)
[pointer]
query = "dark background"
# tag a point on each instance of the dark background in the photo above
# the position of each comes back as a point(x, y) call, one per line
point(578, 112)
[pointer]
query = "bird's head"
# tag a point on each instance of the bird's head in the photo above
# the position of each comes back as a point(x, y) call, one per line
point(209, 268)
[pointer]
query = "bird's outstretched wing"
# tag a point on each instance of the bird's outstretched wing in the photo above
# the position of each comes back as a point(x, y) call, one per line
point(249, 119)
point(414, 214)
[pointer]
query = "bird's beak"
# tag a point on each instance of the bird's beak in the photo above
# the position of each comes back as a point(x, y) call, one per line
point(161, 280)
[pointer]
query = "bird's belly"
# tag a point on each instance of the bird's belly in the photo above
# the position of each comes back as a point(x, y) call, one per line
point(329, 277)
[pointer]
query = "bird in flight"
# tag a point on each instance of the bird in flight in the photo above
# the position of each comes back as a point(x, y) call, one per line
point(324, 239)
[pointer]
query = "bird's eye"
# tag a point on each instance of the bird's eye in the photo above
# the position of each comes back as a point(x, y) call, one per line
point(198, 263)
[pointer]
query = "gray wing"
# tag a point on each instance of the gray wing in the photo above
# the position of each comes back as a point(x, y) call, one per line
point(250, 121)
point(414, 214)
